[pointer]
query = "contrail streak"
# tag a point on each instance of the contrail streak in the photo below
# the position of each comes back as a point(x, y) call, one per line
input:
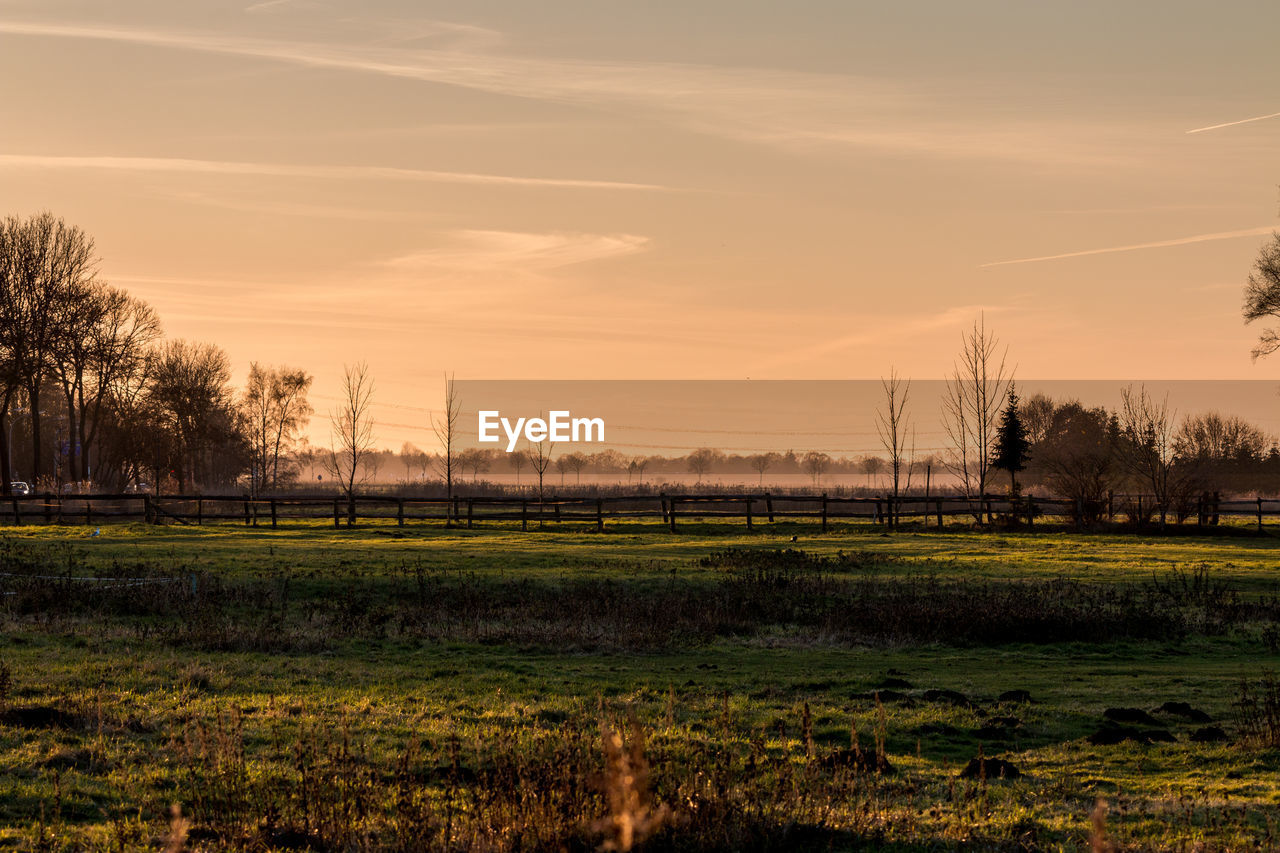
point(1160, 244)
point(227, 167)
point(1233, 123)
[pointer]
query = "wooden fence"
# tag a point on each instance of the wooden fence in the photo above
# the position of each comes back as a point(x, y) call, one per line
point(750, 509)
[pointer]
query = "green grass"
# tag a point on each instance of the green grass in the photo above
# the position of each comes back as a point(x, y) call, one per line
point(725, 716)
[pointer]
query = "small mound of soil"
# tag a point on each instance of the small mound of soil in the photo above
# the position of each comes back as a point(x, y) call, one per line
point(1112, 735)
point(895, 683)
point(1209, 734)
point(1015, 697)
point(1184, 710)
point(69, 759)
point(951, 697)
point(1006, 722)
point(989, 768)
point(991, 733)
point(1131, 716)
point(39, 717)
point(862, 760)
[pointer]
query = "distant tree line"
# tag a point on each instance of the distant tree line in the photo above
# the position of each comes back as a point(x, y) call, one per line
point(90, 392)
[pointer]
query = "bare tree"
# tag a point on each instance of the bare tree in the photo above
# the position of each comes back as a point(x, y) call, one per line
point(1147, 444)
point(190, 396)
point(539, 456)
point(762, 462)
point(893, 425)
point(1037, 416)
point(446, 428)
point(475, 460)
point(351, 427)
point(700, 461)
point(575, 463)
point(1262, 295)
point(409, 454)
point(276, 408)
point(1212, 437)
point(871, 467)
point(517, 461)
point(816, 464)
point(637, 466)
point(1076, 457)
point(975, 392)
point(47, 265)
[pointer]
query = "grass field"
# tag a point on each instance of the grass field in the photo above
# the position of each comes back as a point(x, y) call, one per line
point(380, 688)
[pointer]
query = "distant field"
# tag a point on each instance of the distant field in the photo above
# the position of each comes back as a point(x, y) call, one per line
point(410, 689)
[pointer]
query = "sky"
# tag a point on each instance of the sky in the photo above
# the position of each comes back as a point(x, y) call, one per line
point(659, 190)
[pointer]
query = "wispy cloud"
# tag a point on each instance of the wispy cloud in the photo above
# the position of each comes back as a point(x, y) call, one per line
point(284, 170)
point(1234, 123)
point(789, 109)
point(1159, 244)
point(488, 251)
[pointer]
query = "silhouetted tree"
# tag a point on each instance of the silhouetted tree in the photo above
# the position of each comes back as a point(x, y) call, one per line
point(893, 424)
point(190, 398)
point(762, 462)
point(1012, 445)
point(46, 267)
point(971, 405)
point(700, 461)
point(275, 408)
point(1262, 295)
point(352, 433)
point(1146, 446)
point(815, 464)
point(1076, 456)
point(446, 428)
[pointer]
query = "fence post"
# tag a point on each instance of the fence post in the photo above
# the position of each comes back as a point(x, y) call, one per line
point(824, 512)
point(875, 518)
point(246, 513)
point(48, 508)
point(17, 513)
point(1031, 515)
point(1079, 514)
point(200, 511)
point(470, 511)
point(88, 512)
point(748, 513)
point(336, 521)
point(1216, 497)
point(273, 512)
point(768, 506)
point(399, 512)
point(524, 514)
point(146, 508)
point(600, 514)
point(939, 513)
point(671, 513)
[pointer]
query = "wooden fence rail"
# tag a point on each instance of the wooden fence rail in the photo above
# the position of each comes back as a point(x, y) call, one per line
point(669, 509)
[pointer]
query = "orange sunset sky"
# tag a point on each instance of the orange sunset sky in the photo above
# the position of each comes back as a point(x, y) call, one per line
point(657, 189)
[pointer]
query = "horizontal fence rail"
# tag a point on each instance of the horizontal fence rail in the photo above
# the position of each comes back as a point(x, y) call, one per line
point(750, 508)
